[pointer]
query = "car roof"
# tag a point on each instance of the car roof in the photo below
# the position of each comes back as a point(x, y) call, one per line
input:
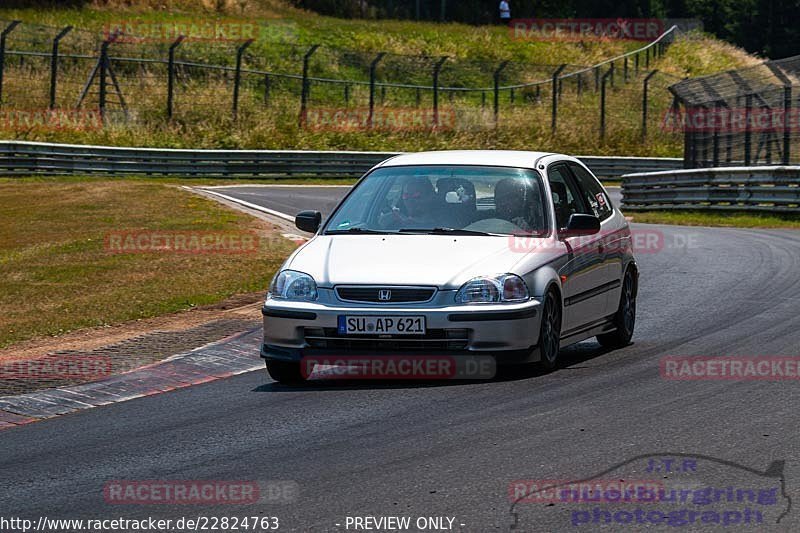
point(499, 158)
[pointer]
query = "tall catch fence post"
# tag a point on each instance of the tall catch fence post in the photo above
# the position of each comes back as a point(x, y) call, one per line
point(8, 29)
point(436, 70)
point(54, 64)
point(496, 78)
point(305, 88)
point(237, 79)
point(555, 97)
point(645, 87)
point(606, 76)
point(171, 74)
point(372, 68)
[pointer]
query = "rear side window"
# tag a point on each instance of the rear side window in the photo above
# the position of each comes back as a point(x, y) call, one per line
point(593, 194)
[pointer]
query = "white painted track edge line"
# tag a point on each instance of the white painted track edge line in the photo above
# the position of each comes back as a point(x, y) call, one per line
point(250, 205)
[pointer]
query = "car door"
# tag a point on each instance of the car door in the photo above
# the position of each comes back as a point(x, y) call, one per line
point(582, 275)
point(611, 244)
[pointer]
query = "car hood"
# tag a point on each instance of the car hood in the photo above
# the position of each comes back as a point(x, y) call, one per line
point(440, 260)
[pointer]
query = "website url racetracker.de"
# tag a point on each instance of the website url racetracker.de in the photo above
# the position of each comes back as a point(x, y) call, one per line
point(44, 524)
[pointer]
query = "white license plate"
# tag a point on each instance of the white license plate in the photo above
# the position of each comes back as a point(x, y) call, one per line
point(381, 325)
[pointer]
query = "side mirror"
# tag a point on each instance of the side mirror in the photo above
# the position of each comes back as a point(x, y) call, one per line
point(580, 225)
point(308, 221)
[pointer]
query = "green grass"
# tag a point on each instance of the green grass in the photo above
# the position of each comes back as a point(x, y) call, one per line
point(732, 219)
point(57, 275)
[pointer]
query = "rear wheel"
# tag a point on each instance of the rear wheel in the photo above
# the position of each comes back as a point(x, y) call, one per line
point(625, 317)
point(550, 331)
point(285, 372)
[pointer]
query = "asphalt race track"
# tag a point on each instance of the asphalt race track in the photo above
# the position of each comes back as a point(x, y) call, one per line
point(452, 449)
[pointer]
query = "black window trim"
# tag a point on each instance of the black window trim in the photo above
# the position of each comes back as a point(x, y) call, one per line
point(569, 177)
point(577, 181)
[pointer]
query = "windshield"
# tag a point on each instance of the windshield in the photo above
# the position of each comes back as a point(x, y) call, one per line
point(459, 199)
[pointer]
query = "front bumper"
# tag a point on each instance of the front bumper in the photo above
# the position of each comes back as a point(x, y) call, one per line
point(508, 331)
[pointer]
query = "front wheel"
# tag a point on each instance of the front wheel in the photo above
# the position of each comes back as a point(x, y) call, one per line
point(550, 331)
point(285, 372)
point(625, 317)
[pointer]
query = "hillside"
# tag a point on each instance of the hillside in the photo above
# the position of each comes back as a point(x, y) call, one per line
point(268, 108)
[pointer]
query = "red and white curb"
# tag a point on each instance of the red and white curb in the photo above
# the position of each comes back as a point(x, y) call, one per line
point(231, 356)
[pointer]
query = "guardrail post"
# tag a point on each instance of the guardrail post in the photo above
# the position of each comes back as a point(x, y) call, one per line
point(54, 64)
point(496, 77)
point(347, 95)
point(436, 69)
point(3, 34)
point(304, 88)
point(418, 97)
point(787, 123)
point(171, 75)
point(237, 79)
point(625, 69)
point(603, 104)
point(372, 71)
point(511, 95)
point(645, 86)
point(647, 58)
point(748, 112)
point(612, 70)
point(580, 83)
point(554, 111)
point(596, 79)
point(636, 64)
point(266, 89)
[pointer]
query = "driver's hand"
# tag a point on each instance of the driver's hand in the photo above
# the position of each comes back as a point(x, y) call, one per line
point(391, 218)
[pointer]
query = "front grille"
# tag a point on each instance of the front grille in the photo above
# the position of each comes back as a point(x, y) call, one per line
point(396, 294)
point(434, 339)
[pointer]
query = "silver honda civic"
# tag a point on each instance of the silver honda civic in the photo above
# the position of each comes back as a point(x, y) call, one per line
point(510, 254)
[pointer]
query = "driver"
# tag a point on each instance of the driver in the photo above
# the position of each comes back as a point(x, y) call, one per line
point(419, 201)
point(512, 200)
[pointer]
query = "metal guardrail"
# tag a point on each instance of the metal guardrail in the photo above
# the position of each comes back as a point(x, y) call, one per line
point(22, 158)
point(767, 188)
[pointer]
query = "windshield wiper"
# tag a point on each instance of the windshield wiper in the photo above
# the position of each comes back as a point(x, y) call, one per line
point(357, 230)
point(443, 231)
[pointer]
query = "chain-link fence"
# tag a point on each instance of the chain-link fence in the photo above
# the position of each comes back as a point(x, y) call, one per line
point(123, 81)
point(741, 117)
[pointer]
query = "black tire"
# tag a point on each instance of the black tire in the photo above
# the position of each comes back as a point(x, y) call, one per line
point(285, 372)
point(550, 331)
point(625, 317)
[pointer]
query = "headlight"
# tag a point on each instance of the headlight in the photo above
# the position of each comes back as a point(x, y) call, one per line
point(493, 289)
point(292, 285)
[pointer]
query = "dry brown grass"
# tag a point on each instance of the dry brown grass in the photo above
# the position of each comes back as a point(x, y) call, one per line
point(56, 274)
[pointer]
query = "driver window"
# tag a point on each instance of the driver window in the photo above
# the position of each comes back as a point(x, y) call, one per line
point(566, 200)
